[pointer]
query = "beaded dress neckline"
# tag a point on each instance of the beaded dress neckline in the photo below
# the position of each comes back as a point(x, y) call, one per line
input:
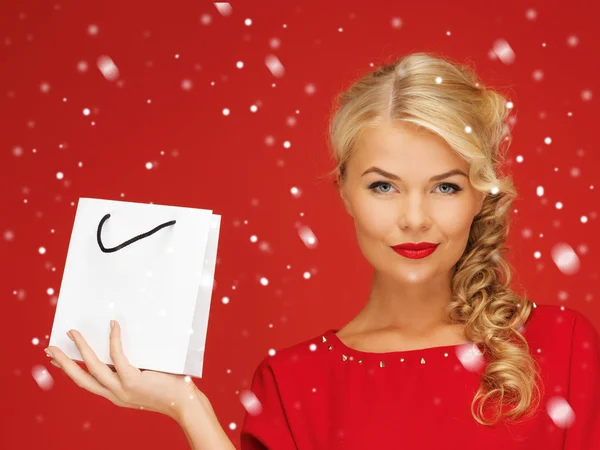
point(425, 355)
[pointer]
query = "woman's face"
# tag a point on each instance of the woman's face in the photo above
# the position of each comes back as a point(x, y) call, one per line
point(388, 211)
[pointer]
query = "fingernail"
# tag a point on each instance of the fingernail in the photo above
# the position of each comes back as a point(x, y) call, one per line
point(49, 353)
point(54, 363)
point(70, 336)
point(112, 324)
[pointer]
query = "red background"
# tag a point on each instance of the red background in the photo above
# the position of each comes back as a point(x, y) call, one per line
point(238, 166)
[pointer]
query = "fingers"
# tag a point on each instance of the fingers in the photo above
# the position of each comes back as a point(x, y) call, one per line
point(125, 370)
point(82, 378)
point(100, 371)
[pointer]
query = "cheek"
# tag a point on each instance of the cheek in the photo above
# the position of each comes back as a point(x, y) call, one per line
point(375, 218)
point(454, 223)
point(455, 228)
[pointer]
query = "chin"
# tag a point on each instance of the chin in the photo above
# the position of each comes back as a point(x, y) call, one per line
point(413, 275)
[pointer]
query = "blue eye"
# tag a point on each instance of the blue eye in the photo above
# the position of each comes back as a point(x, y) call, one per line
point(373, 187)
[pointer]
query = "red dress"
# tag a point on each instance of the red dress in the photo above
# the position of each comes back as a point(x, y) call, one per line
point(316, 395)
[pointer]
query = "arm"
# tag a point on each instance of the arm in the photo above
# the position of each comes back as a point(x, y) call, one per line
point(584, 387)
point(267, 427)
point(202, 428)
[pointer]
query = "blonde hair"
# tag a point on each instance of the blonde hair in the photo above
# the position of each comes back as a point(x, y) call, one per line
point(433, 94)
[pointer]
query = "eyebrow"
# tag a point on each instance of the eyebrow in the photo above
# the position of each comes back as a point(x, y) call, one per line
point(391, 176)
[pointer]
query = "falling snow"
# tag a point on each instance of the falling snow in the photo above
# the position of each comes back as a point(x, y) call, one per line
point(169, 121)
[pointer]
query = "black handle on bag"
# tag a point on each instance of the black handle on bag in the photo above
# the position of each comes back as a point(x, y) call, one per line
point(130, 241)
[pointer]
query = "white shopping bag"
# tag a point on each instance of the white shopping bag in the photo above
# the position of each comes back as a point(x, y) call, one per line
point(151, 268)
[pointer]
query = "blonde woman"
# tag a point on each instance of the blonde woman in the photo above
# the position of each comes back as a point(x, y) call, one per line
point(444, 355)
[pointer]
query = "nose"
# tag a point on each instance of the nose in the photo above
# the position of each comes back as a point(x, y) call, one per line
point(414, 212)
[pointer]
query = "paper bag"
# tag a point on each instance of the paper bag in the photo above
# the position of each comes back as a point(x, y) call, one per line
point(151, 268)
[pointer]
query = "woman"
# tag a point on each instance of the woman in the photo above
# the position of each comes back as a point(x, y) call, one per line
point(444, 354)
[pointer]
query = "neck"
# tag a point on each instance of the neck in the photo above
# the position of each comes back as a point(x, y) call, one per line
point(417, 309)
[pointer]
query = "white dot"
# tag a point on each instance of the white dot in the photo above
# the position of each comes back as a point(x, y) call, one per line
point(41, 250)
point(272, 352)
point(86, 111)
point(239, 64)
point(538, 75)
point(264, 281)
point(586, 95)
point(537, 255)
point(583, 219)
point(287, 144)
point(572, 41)
point(225, 300)
point(306, 275)
point(186, 85)
point(253, 108)
point(540, 191)
point(149, 165)
point(559, 205)
point(253, 238)
point(248, 22)
point(59, 175)
point(82, 66)
point(509, 105)
point(548, 141)
point(232, 426)
point(225, 111)
point(50, 291)
point(35, 341)
point(93, 30)
point(468, 129)
point(519, 158)
point(438, 80)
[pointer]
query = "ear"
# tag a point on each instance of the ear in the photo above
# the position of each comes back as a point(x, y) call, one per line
point(342, 188)
point(480, 198)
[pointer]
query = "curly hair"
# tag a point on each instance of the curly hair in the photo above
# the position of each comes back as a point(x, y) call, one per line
point(434, 94)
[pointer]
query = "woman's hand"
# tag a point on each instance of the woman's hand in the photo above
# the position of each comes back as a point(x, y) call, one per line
point(127, 386)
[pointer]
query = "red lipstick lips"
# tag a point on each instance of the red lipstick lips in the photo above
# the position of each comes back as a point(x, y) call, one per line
point(415, 251)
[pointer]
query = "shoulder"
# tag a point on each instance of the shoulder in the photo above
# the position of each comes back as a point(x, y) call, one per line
point(558, 330)
point(555, 320)
point(293, 359)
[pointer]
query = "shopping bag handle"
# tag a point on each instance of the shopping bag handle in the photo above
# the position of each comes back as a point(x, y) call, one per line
point(130, 241)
